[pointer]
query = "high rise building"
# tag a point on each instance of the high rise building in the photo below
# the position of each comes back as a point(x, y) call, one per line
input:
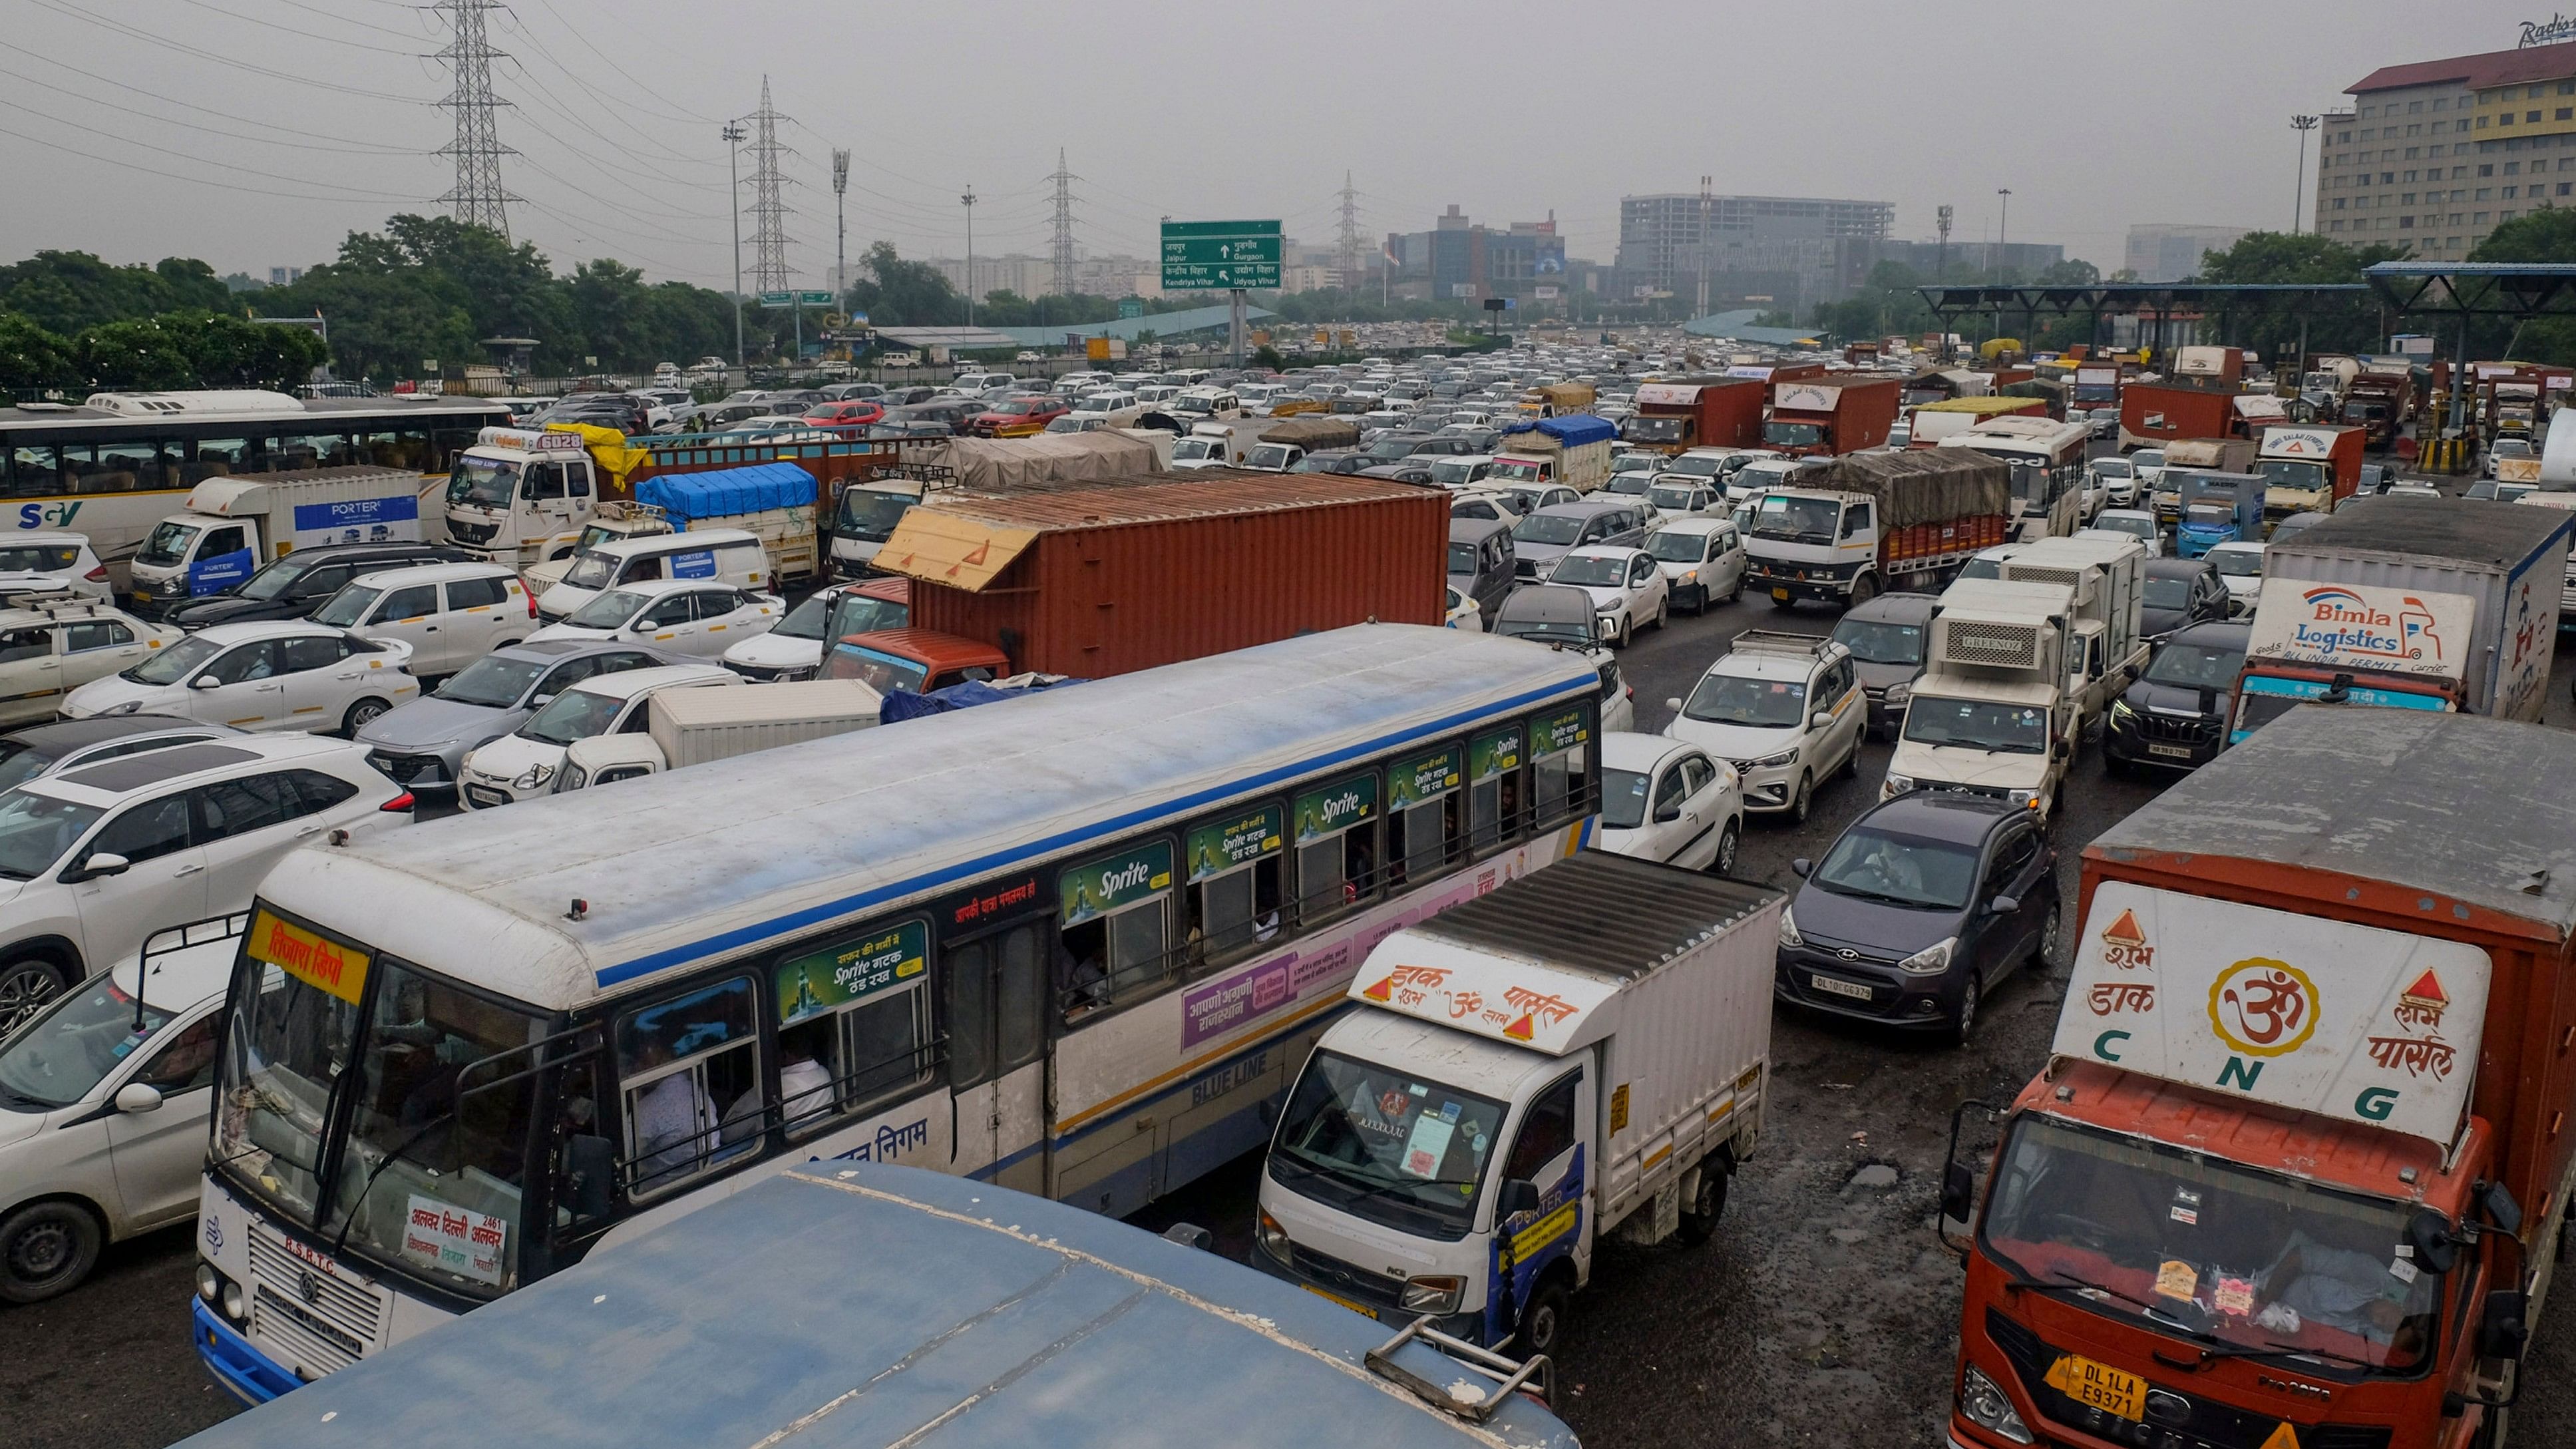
point(2162, 251)
point(2435, 154)
point(1780, 248)
point(1464, 260)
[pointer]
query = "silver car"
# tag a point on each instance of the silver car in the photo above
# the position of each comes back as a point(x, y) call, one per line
point(422, 745)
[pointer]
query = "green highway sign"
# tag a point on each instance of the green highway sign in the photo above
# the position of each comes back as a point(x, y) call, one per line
point(1220, 255)
point(796, 299)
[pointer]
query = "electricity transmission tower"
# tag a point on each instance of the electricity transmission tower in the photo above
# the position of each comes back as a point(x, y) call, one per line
point(478, 198)
point(1346, 255)
point(1061, 252)
point(769, 270)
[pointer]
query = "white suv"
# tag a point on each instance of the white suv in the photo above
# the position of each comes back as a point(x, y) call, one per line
point(52, 645)
point(93, 860)
point(1785, 709)
point(451, 614)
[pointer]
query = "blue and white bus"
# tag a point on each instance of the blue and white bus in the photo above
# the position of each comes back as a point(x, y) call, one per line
point(1077, 944)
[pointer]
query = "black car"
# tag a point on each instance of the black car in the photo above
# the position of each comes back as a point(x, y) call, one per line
point(947, 412)
point(290, 587)
point(2180, 592)
point(1886, 637)
point(1917, 910)
point(2175, 715)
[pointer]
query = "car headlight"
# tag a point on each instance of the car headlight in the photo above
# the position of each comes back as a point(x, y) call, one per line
point(1931, 959)
point(1985, 1406)
point(1769, 762)
point(1606, 619)
point(1898, 784)
point(129, 707)
point(1432, 1295)
point(1789, 928)
point(1689, 576)
point(1900, 693)
point(2123, 711)
point(533, 776)
point(2025, 799)
point(1272, 1237)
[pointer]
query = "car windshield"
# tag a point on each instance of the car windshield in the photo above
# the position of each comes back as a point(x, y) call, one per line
point(1799, 520)
point(1697, 465)
point(1590, 569)
point(1548, 528)
point(485, 481)
point(1902, 870)
point(1873, 641)
point(2147, 458)
point(2194, 666)
point(1978, 724)
point(2238, 563)
point(1462, 557)
point(2168, 593)
point(2141, 528)
point(20, 763)
point(430, 1083)
point(1385, 1145)
point(2208, 1249)
point(1633, 485)
point(2112, 468)
point(176, 662)
point(35, 830)
point(348, 606)
point(495, 681)
point(1669, 496)
point(1623, 798)
point(883, 672)
point(274, 580)
point(1737, 699)
point(167, 544)
point(1450, 472)
point(610, 610)
point(56, 1060)
point(591, 569)
point(869, 513)
point(1675, 547)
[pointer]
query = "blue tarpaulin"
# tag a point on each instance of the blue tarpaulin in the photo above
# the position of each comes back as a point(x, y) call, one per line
point(725, 492)
point(1573, 429)
point(902, 706)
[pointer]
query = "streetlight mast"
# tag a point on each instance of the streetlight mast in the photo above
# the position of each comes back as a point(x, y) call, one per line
point(2299, 192)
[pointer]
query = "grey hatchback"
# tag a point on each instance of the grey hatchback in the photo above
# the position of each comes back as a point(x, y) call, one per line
point(421, 745)
point(1549, 533)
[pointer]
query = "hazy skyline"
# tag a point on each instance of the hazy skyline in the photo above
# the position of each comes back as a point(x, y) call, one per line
point(2175, 112)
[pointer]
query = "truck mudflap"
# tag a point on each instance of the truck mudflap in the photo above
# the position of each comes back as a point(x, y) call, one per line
point(1528, 1246)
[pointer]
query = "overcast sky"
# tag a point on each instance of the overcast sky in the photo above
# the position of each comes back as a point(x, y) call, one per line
point(138, 129)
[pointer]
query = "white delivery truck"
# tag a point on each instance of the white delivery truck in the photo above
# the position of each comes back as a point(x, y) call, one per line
point(2107, 576)
point(234, 524)
point(520, 497)
point(1992, 713)
point(1583, 1050)
point(773, 502)
point(685, 727)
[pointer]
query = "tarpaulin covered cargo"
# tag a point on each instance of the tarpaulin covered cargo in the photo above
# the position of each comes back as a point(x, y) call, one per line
point(903, 705)
point(1571, 430)
point(1313, 432)
point(727, 492)
point(1914, 487)
point(985, 464)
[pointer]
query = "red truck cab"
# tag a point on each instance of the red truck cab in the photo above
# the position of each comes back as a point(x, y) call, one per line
point(2296, 1173)
point(913, 661)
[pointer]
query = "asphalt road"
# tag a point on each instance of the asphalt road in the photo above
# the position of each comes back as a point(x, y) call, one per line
point(1823, 1312)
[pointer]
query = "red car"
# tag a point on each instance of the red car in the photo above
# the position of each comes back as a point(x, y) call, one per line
point(1018, 417)
point(845, 415)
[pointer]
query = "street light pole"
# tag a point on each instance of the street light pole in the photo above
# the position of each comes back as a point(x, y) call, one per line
point(733, 135)
point(969, 200)
point(2001, 223)
point(2299, 192)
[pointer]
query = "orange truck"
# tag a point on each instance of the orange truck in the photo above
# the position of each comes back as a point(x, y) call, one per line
point(2310, 468)
point(1826, 417)
point(2296, 1174)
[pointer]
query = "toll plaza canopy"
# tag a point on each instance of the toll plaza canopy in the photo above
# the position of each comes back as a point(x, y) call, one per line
point(2124, 296)
point(2480, 289)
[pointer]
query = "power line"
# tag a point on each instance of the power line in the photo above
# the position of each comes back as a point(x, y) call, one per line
point(184, 105)
point(605, 57)
point(769, 271)
point(302, 33)
point(411, 35)
point(478, 198)
point(172, 175)
point(361, 149)
point(570, 73)
point(130, 32)
point(354, 191)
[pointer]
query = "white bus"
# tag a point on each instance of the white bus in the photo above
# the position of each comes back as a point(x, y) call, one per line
point(116, 464)
point(2047, 460)
point(1077, 944)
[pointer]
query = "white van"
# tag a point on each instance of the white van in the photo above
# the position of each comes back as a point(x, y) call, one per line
point(732, 555)
point(522, 763)
point(450, 614)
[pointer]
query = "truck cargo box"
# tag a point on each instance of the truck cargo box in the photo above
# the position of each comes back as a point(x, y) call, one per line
point(694, 726)
point(1932, 486)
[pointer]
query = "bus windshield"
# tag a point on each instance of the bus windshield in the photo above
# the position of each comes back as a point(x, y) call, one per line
point(439, 1115)
point(487, 481)
point(2209, 1250)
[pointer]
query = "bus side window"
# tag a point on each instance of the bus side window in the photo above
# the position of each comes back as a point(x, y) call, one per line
point(1234, 864)
point(1559, 744)
point(1422, 816)
point(853, 1024)
point(1116, 927)
point(1336, 846)
point(1494, 788)
point(690, 1073)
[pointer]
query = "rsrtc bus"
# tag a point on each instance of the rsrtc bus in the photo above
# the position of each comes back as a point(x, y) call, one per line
point(1076, 944)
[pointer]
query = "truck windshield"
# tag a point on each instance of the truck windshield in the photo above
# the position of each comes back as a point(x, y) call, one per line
point(2304, 474)
point(485, 481)
point(1386, 1145)
point(1515, 470)
point(1273, 457)
point(1191, 450)
point(871, 513)
point(1737, 699)
point(1798, 520)
point(857, 613)
point(167, 545)
point(884, 673)
point(1978, 724)
point(1793, 435)
point(1652, 430)
point(438, 1118)
point(2210, 1249)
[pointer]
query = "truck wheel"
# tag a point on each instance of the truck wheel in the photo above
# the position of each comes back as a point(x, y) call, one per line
point(1963, 1018)
point(45, 1248)
point(1542, 1326)
point(26, 985)
point(1864, 589)
point(362, 714)
point(1699, 1219)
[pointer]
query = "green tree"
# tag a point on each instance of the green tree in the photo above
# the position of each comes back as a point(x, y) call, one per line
point(68, 291)
point(2072, 272)
point(2547, 235)
point(2275, 327)
point(141, 355)
point(897, 293)
point(227, 351)
point(33, 358)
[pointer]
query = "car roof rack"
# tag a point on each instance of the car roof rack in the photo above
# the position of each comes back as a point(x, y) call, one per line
point(1507, 1377)
point(54, 601)
point(1784, 642)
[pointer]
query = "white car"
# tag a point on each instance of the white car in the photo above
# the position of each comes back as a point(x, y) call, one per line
point(2240, 568)
point(63, 558)
point(49, 647)
point(1784, 709)
point(450, 614)
point(1465, 613)
point(2119, 481)
point(676, 616)
point(1668, 801)
point(280, 675)
point(104, 1105)
point(2410, 488)
point(2137, 523)
point(94, 860)
point(794, 649)
point(1676, 500)
point(522, 763)
point(1702, 559)
point(1628, 590)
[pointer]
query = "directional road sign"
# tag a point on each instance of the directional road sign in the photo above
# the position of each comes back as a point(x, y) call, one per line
point(796, 299)
point(1205, 256)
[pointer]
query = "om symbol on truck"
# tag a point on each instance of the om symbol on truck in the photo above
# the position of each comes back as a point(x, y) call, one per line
point(2263, 1007)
